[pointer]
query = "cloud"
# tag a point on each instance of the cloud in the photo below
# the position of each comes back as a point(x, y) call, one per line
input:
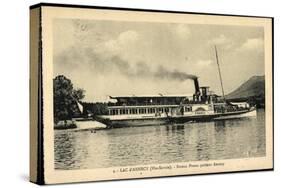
point(252, 44)
point(120, 44)
point(128, 37)
point(221, 40)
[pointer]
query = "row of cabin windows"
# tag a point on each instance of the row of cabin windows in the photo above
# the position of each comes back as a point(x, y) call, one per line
point(143, 110)
point(138, 111)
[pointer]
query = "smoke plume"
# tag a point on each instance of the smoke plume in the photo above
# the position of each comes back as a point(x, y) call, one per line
point(101, 64)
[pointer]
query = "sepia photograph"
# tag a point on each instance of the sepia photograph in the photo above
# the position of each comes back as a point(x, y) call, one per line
point(141, 93)
point(134, 93)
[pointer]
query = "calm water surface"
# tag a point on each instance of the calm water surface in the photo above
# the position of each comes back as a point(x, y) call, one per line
point(228, 139)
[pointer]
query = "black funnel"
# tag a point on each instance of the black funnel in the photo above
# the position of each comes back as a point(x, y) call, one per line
point(196, 85)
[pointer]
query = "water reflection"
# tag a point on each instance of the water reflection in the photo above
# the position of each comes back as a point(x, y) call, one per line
point(160, 144)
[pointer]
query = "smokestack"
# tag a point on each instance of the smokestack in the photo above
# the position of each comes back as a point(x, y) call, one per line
point(196, 85)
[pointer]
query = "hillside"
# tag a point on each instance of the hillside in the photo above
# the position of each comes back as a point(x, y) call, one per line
point(252, 90)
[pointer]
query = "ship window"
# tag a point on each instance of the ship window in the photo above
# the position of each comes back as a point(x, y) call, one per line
point(187, 109)
point(115, 112)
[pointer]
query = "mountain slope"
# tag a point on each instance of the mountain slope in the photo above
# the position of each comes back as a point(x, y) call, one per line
point(254, 87)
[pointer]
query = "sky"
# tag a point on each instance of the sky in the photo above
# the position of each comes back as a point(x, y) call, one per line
point(108, 58)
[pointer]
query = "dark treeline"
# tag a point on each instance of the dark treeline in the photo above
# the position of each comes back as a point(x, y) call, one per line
point(94, 109)
point(259, 101)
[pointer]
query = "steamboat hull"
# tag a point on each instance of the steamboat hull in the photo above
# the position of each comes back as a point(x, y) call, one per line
point(211, 117)
point(175, 119)
point(133, 122)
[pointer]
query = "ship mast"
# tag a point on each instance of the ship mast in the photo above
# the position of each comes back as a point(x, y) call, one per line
point(219, 72)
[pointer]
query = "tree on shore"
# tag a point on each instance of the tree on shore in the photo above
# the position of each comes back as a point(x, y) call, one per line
point(65, 98)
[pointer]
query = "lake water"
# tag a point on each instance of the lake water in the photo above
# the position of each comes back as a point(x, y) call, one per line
point(227, 139)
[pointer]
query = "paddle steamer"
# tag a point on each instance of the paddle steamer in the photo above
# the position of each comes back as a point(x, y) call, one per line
point(160, 109)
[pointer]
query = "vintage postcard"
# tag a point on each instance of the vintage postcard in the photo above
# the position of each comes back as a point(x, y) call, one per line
point(139, 93)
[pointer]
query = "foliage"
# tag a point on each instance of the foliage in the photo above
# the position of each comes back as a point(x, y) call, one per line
point(65, 98)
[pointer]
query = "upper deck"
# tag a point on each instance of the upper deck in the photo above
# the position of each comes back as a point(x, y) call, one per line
point(144, 100)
